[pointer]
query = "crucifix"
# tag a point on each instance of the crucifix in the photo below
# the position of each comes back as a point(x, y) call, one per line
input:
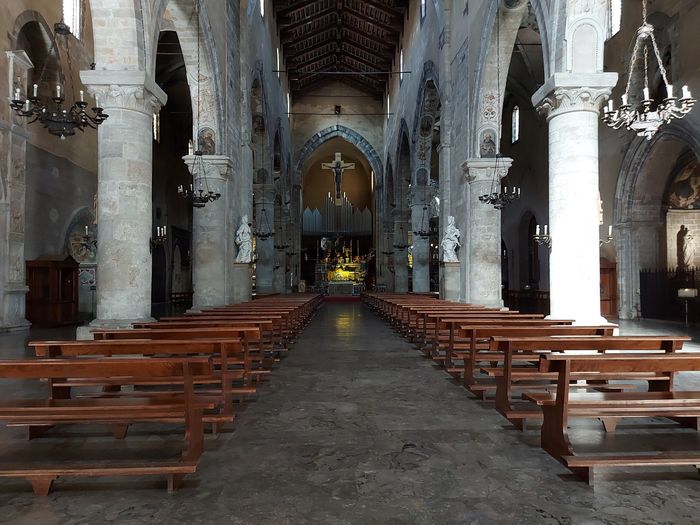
point(338, 167)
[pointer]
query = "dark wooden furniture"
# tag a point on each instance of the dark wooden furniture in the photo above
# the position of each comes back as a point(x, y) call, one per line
point(683, 407)
point(53, 291)
point(117, 412)
point(608, 289)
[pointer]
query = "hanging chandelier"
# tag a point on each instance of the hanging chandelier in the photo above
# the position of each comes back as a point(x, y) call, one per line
point(644, 119)
point(265, 232)
point(202, 195)
point(58, 119)
point(401, 245)
point(423, 231)
point(501, 198)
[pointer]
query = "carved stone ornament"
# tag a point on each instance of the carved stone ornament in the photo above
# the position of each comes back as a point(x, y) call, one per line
point(564, 100)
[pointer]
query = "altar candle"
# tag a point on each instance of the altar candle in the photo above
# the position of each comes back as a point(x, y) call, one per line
point(686, 92)
point(669, 91)
point(537, 230)
point(36, 90)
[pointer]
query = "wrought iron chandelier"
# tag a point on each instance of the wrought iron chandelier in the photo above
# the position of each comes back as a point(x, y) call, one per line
point(644, 120)
point(499, 197)
point(203, 194)
point(59, 120)
point(423, 231)
point(265, 231)
point(401, 245)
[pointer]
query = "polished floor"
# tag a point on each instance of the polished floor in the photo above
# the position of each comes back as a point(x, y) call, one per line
point(355, 428)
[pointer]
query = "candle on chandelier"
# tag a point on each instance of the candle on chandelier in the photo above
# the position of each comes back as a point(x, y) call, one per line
point(58, 90)
point(82, 96)
point(16, 93)
point(646, 93)
point(611, 108)
point(686, 92)
point(518, 191)
point(36, 91)
point(537, 230)
point(546, 229)
point(165, 230)
point(513, 190)
point(86, 231)
point(669, 91)
point(624, 99)
point(97, 102)
point(610, 230)
point(27, 107)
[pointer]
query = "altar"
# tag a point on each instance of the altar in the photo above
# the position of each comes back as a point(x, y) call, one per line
point(340, 287)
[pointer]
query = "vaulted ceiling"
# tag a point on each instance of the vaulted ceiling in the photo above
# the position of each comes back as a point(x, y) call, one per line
point(352, 40)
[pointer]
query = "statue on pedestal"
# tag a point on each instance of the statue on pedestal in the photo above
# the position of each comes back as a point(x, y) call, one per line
point(684, 248)
point(244, 241)
point(450, 241)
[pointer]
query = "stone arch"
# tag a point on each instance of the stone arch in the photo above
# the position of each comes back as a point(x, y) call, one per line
point(345, 133)
point(180, 16)
point(48, 45)
point(638, 213)
point(585, 38)
point(121, 44)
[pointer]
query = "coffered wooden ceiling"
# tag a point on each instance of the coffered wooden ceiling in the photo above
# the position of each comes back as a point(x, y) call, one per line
point(322, 37)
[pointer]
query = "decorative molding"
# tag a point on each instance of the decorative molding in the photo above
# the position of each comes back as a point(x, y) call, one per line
point(482, 169)
point(566, 92)
point(125, 90)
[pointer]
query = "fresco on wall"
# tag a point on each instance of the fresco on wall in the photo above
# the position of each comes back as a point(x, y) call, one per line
point(82, 247)
point(685, 188)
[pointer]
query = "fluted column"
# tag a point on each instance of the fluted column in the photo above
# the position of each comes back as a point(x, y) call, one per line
point(210, 239)
point(485, 230)
point(571, 103)
point(124, 194)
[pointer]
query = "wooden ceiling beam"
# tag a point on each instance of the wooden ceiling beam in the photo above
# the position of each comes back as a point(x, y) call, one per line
point(394, 29)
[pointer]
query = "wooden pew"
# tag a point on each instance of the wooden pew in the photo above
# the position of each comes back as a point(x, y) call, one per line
point(113, 411)
point(558, 408)
point(220, 385)
point(508, 376)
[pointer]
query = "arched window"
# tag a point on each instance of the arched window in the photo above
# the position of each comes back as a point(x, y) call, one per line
point(615, 13)
point(388, 106)
point(401, 65)
point(423, 9)
point(262, 8)
point(277, 53)
point(73, 16)
point(515, 125)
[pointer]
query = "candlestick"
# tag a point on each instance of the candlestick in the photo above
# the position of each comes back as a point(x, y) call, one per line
point(97, 102)
point(86, 231)
point(611, 108)
point(165, 230)
point(537, 230)
point(82, 96)
point(686, 92)
point(36, 90)
point(610, 230)
point(624, 99)
point(58, 90)
point(646, 93)
point(27, 107)
point(669, 91)
point(16, 93)
point(546, 229)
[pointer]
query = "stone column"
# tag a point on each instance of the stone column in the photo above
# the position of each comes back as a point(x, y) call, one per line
point(485, 230)
point(400, 255)
point(572, 103)
point(13, 143)
point(124, 194)
point(265, 250)
point(210, 237)
point(420, 220)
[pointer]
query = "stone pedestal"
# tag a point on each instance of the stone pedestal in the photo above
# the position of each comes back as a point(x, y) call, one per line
point(209, 231)
point(124, 194)
point(485, 230)
point(572, 103)
point(450, 284)
point(241, 274)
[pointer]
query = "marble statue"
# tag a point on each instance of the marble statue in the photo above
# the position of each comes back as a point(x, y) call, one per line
point(244, 241)
point(684, 248)
point(450, 241)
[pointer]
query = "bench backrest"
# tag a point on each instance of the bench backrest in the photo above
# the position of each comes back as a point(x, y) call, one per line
point(103, 367)
point(249, 333)
point(533, 331)
point(133, 347)
point(559, 344)
point(678, 362)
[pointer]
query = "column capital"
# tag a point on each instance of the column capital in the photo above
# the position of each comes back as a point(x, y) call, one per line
point(125, 90)
point(482, 169)
point(565, 92)
point(215, 166)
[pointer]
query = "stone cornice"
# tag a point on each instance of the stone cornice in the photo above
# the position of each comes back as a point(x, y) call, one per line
point(482, 169)
point(221, 163)
point(566, 92)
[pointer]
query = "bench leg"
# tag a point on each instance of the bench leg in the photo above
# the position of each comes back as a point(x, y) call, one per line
point(42, 484)
point(35, 431)
point(119, 430)
point(688, 422)
point(610, 423)
point(175, 481)
point(555, 434)
point(587, 474)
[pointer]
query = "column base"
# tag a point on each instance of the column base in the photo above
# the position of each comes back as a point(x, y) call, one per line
point(85, 332)
point(450, 285)
point(15, 326)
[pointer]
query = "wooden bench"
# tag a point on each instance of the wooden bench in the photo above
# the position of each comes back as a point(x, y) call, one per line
point(220, 385)
point(683, 407)
point(115, 412)
point(510, 377)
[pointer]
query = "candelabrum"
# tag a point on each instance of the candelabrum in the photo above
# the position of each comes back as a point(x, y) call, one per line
point(401, 245)
point(644, 119)
point(160, 238)
point(422, 231)
point(542, 239)
point(88, 242)
point(203, 195)
point(502, 199)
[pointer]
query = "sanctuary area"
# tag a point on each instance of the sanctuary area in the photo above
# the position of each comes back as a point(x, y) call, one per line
point(349, 261)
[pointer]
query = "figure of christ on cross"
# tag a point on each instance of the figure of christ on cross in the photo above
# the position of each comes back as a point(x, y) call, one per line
point(338, 167)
